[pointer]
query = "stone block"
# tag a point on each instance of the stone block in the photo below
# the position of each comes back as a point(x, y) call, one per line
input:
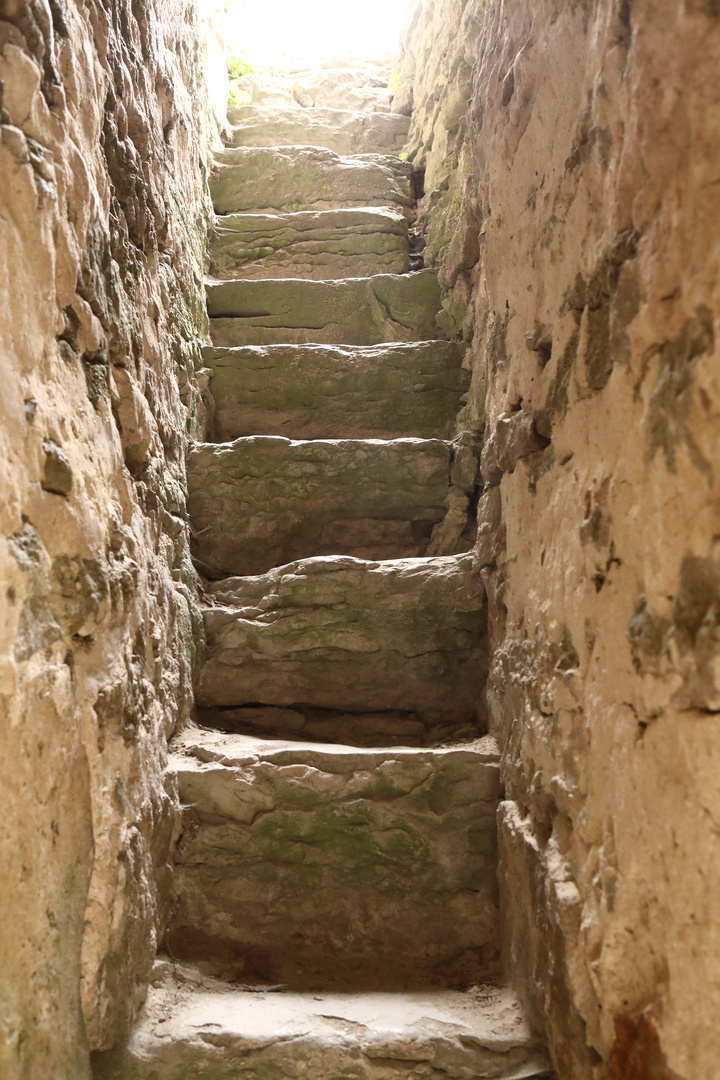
point(351, 392)
point(195, 1026)
point(323, 866)
point(339, 130)
point(295, 178)
point(343, 633)
point(262, 501)
point(314, 245)
point(357, 311)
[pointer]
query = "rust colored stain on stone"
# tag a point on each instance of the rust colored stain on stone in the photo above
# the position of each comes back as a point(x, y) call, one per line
point(636, 1053)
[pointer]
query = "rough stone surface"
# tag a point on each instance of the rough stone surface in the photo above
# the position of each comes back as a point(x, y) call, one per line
point(312, 244)
point(343, 88)
point(325, 391)
point(104, 135)
point(396, 848)
point(358, 311)
point(382, 727)
point(342, 131)
point(265, 500)
point(571, 161)
point(195, 1025)
point(342, 633)
point(296, 178)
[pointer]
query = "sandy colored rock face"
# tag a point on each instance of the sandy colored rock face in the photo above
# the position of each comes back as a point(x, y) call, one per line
point(265, 500)
point(297, 178)
point(102, 227)
point(397, 848)
point(342, 633)
point(317, 392)
point(343, 132)
point(194, 1024)
point(356, 311)
point(313, 245)
point(572, 217)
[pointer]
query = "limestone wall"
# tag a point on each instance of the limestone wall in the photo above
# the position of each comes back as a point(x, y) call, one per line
point(104, 142)
point(572, 155)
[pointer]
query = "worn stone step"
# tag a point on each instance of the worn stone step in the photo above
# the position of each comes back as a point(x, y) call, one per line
point(342, 88)
point(350, 392)
point(339, 130)
point(320, 865)
point(338, 633)
point(295, 178)
point(391, 727)
point(196, 1026)
point(312, 244)
point(358, 311)
point(262, 501)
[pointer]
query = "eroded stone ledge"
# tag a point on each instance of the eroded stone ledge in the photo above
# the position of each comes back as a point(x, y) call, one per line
point(357, 311)
point(342, 633)
point(351, 392)
point(294, 178)
point(193, 1025)
point(341, 131)
point(395, 850)
point(314, 245)
point(264, 500)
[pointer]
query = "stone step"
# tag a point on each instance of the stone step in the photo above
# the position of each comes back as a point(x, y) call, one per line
point(295, 178)
point(262, 501)
point(337, 633)
point(342, 88)
point(196, 1026)
point(328, 866)
point(357, 311)
point(349, 392)
point(392, 727)
point(312, 244)
point(339, 130)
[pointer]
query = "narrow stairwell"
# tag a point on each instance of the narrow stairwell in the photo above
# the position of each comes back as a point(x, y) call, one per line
point(335, 907)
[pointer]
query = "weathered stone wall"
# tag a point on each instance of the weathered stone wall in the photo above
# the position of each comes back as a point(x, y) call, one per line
point(103, 214)
point(572, 155)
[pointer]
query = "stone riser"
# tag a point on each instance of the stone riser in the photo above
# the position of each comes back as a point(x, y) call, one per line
point(262, 501)
point(349, 635)
point(310, 245)
point(396, 849)
point(357, 311)
point(296, 178)
point(381, 728)
point(331, 129)
point(322, 392)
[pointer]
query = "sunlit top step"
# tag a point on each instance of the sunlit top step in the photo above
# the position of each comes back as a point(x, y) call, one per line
point(292, 178)
point(335, 129)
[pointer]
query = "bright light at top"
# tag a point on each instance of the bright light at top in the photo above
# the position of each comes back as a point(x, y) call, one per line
point(272, 29)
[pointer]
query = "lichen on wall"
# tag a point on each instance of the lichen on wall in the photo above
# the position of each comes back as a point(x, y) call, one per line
point(104, 138)
point(571, 206)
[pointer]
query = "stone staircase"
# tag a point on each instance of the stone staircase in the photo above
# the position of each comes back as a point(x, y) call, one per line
point(335, 910)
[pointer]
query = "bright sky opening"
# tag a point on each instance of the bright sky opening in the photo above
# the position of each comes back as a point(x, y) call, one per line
point(269, 30)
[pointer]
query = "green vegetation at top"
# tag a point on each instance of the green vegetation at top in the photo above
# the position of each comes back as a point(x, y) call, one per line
point(239, 65)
